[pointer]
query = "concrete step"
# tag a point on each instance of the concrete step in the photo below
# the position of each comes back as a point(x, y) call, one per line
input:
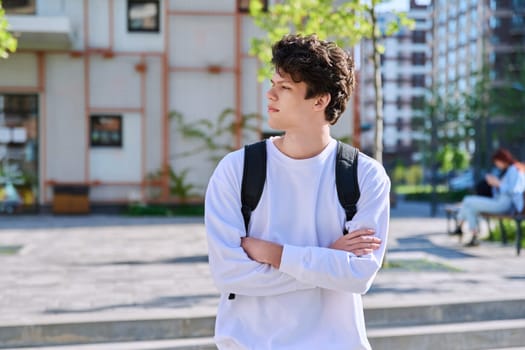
point(505, 335)
point(445, 313)
point(89, 331)
point(457, 336)
point(107, 331)
point(178, 344)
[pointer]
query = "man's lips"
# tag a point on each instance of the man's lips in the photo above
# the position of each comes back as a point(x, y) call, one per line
point(272, 110)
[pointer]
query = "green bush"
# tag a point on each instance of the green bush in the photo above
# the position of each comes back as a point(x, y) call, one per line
point(398, 174)
point(442, 197)
point(510, 230)
point(414, 175)
point(164, 210)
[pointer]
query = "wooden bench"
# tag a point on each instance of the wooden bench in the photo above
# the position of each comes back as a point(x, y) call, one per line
point(451, 212)
point(517, 217)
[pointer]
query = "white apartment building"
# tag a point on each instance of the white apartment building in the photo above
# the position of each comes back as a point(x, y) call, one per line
point(86, 99)
point(406, 71)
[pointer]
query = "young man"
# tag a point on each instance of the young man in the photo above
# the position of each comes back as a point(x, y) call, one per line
point(297, 279)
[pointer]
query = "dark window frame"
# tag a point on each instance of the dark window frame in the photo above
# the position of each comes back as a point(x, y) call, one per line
point(155, 28)
point(243, 6)
point(106, 137)
point(418, 58)
point(19, 7)
point(418, 80)
point(419, 37)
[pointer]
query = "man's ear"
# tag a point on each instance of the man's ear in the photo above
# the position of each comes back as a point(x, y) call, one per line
point(321, 102)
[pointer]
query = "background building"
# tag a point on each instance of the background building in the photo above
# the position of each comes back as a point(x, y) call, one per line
point(471, 36)
point(406, 73)
point(89, 97)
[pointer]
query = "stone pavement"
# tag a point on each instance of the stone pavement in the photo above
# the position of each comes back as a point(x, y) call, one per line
point(96, 268)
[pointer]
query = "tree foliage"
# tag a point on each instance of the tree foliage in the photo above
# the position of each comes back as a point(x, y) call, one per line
point(7, 42)
point(509, 103)
point(345, 22)
point(452, 158)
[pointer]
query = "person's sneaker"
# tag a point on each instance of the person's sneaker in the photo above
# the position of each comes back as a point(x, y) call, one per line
point(474, 242)
point(457, 232)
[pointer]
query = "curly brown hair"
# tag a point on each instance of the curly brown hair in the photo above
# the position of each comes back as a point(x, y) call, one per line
point(322, 65)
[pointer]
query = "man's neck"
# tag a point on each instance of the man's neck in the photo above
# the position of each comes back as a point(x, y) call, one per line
point(303, 145)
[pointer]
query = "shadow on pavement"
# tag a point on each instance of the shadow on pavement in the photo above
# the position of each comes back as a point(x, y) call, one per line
point(182, 260)
point(174, 302)
point(38, 222)
point(421, 243)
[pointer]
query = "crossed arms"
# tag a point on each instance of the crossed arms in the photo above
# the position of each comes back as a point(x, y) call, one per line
point(359, 242)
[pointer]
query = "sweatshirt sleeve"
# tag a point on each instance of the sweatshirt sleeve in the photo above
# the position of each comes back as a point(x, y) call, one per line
point(340, 270)
point(512, 182)
point(231, 268)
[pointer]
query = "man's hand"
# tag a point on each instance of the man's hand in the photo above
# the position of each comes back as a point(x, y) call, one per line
point(359, 242)
point(262, 251)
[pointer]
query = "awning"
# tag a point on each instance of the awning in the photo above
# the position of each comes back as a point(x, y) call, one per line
point(41, 33)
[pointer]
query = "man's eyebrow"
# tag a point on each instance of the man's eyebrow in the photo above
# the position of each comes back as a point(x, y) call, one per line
point(282, 81)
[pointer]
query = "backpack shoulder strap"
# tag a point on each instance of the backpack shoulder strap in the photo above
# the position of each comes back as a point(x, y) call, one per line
point(253, 179)
point(346, 178)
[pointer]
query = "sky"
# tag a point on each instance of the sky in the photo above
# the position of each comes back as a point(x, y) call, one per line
point(400, 5)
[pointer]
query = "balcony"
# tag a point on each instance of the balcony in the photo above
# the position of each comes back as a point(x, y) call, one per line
point(41, 33)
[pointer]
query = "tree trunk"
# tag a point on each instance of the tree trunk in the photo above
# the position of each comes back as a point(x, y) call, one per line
point(376, 59)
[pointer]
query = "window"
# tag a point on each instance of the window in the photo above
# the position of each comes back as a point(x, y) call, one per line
point(418, 36)
point(418, 102)
point(22, 7)
point(399, 124)
point(518, 5)
point(451, 74)
point(399, 103)
point(106, 131)
point(462, 38)
point(418, 80)
point(418, 58)
point(244, 5)
point(452, 26)
point(18, 152)
point(451, 58)
point(143, 15)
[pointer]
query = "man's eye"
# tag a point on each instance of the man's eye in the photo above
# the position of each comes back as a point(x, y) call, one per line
point(285, 87)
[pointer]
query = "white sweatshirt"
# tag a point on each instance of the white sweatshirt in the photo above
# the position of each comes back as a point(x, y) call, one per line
point(313, 300)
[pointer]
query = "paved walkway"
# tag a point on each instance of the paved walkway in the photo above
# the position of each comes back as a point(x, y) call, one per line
point(111, 267)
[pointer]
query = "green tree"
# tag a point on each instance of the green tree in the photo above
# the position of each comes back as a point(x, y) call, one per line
point(451, 158)
point(443, 126)
point(7, 42)
point(479, 107)
point(398, 174)
point(345, 22)
point(509, 104)
point(414, 175)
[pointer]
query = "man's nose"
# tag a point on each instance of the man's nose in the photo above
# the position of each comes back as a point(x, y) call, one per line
point(270, 94)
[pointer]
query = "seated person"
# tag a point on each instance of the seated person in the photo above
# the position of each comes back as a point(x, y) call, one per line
point(507, 194)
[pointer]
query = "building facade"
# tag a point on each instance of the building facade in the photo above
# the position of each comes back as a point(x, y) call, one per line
point(471, 36)
point(406, 67)
point(460, 40)
point(105, 93)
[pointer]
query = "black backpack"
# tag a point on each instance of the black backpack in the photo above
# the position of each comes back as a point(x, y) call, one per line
point(254, 177)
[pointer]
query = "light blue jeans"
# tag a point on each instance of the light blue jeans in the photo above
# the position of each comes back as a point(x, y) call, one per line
point(473, 205)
